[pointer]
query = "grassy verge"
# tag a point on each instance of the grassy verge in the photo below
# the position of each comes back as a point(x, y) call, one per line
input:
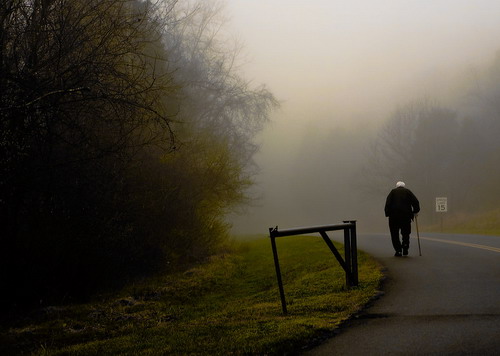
point(228, 305)
point(485, 223)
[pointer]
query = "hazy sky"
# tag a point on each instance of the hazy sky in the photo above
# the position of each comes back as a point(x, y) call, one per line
point(334, 63)
point(337, 54)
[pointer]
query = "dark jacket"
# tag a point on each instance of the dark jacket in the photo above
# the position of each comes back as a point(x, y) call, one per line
point(401, 203)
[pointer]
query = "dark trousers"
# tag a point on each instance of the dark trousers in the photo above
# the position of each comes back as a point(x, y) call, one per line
point(403, 225)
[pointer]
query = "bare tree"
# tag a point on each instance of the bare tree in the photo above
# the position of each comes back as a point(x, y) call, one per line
point(418, 145)
point(217, 104)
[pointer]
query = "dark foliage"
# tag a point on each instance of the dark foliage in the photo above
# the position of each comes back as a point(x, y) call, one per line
point(93, 191)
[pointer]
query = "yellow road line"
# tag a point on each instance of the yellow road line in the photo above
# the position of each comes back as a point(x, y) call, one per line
point(483, 247)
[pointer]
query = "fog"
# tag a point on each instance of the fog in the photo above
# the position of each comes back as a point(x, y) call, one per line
point(340, 68)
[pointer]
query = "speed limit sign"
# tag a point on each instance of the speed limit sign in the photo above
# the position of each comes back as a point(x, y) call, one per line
point(441, 205)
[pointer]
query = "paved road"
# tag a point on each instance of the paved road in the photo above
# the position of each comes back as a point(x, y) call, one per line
point(445, 302)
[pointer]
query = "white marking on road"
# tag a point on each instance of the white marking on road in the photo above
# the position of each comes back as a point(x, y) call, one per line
point(483, 247)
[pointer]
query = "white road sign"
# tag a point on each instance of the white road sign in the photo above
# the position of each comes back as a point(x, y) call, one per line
point(441, 205)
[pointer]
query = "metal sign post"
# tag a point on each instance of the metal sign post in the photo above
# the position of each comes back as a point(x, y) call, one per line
point(441, 207)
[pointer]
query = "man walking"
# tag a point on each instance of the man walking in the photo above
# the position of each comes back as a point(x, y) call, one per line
point(401, 206)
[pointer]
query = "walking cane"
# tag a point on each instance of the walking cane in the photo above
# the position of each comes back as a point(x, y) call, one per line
point(418, 236)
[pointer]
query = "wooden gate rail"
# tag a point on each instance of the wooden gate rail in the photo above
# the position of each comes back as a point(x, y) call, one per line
point(350, 264)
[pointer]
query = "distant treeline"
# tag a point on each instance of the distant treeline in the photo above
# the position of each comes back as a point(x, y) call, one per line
point(448, 150)
point(125, 137)
point(440, 150)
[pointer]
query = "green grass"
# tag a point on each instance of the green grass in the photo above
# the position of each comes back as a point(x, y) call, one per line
point(229, 304)
point(485, 223)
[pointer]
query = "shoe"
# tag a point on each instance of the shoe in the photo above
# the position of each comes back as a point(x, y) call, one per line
point(405, 251)
point(398, 254)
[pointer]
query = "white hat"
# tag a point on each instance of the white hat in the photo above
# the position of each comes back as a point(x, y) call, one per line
point(400, 184)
